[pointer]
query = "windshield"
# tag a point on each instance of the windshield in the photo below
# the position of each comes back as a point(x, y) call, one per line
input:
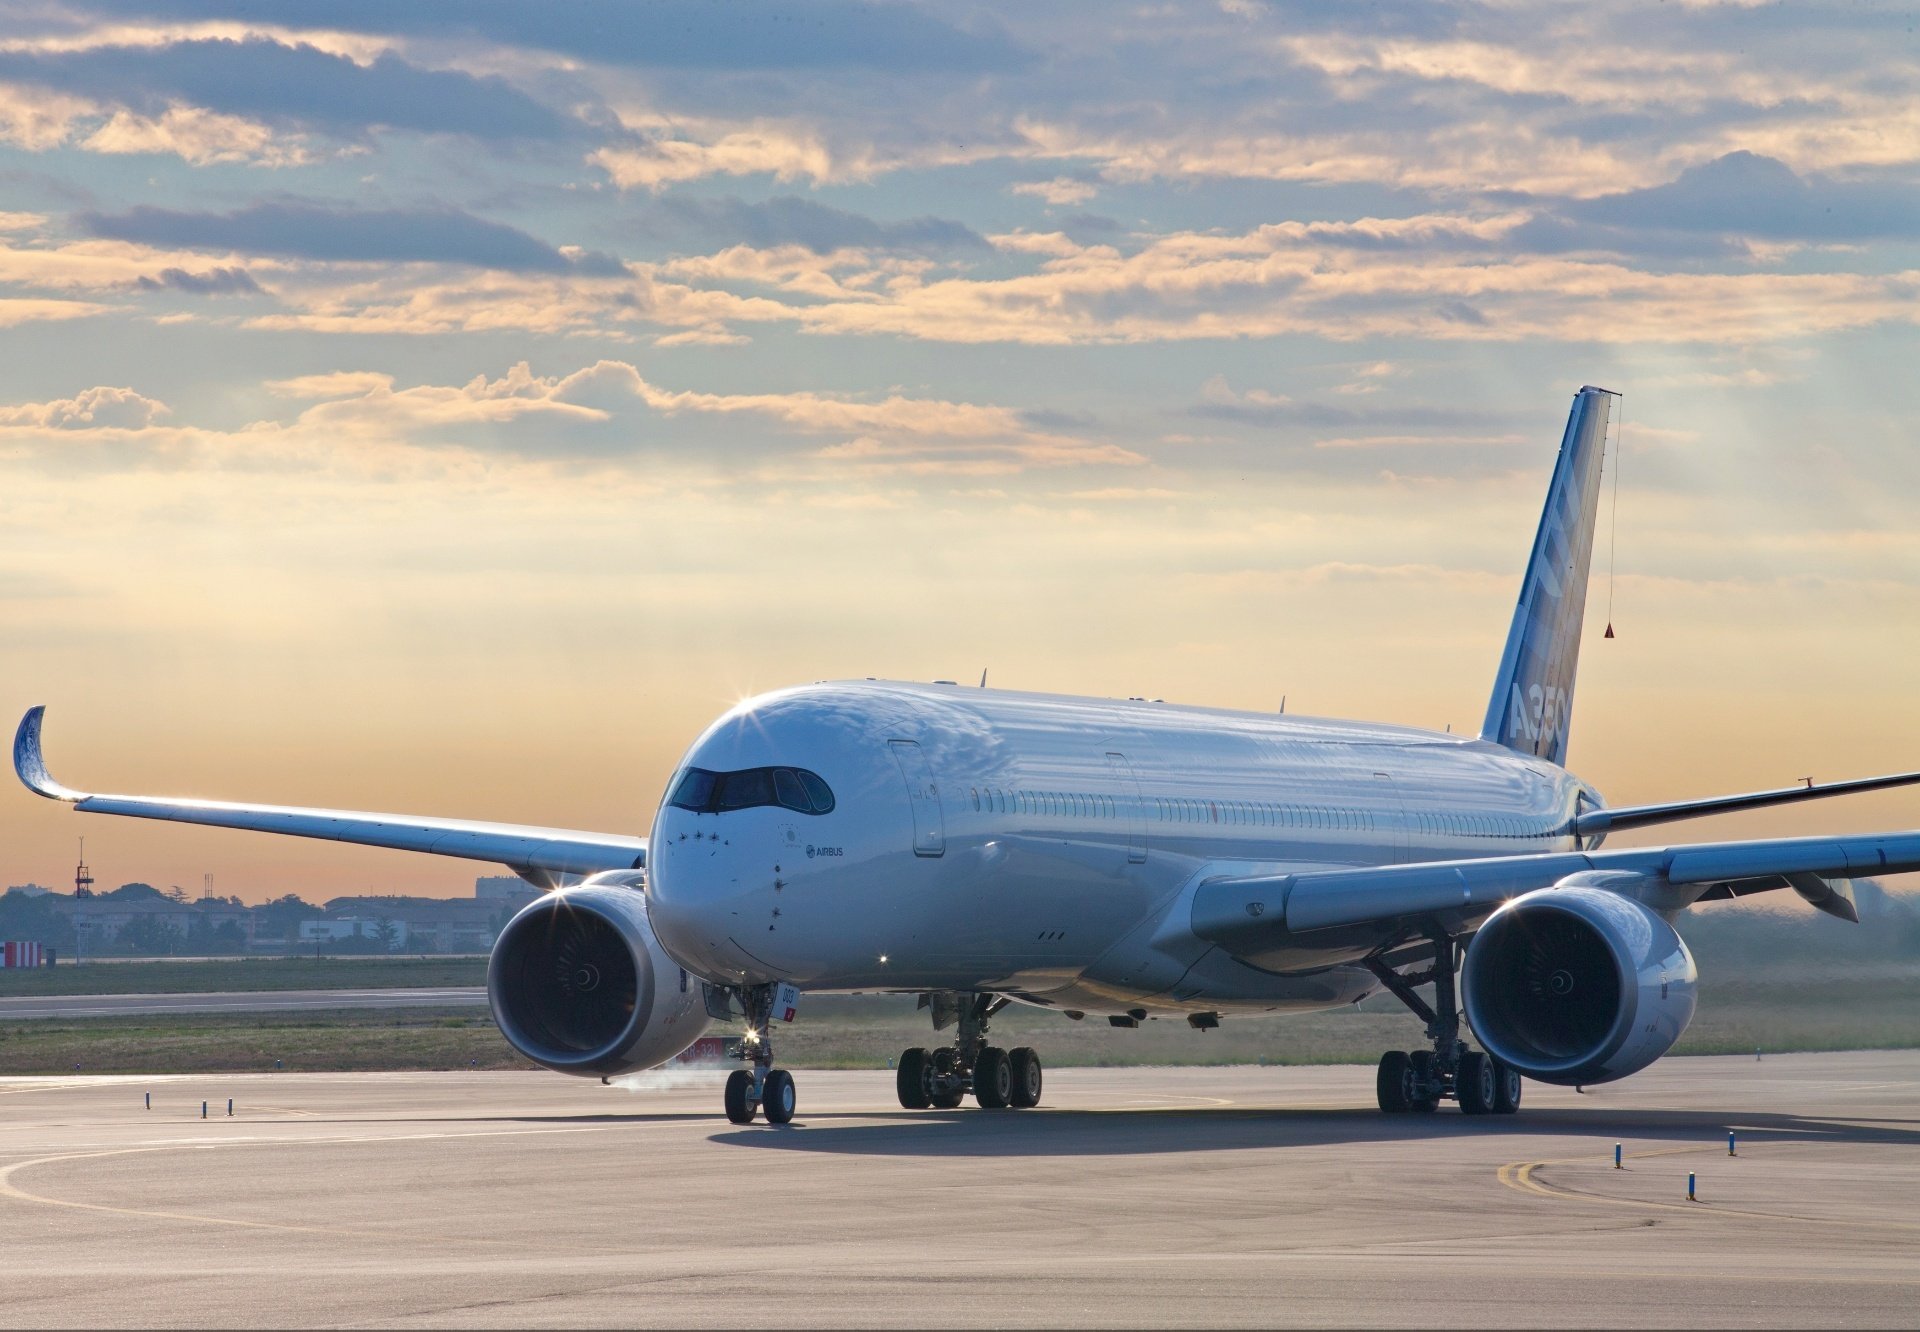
point(707, 792)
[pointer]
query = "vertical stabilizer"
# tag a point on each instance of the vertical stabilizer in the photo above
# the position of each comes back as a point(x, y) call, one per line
point(1532, 701)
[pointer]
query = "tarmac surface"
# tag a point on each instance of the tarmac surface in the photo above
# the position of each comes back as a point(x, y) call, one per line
point(237, 1001)
point(1132, 1197)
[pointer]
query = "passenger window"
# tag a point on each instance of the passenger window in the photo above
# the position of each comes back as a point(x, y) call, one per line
point(974, 791)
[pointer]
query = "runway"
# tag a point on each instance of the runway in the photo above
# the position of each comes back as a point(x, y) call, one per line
point(1133, 1197)
point(235, 1001)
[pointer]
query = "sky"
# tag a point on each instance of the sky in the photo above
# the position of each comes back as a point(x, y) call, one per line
point(451, 409)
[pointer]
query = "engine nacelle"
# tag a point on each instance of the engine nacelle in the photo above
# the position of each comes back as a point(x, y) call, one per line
point(579, 984)
point(1577, 985)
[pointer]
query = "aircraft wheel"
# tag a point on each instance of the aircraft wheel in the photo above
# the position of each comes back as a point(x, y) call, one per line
point(739, 1096)
point(1506, 1087)
point(777, 1096)
point(910, 1080)
point(992, 1078)
point(1423, 1091)
point(1026, 1077)
point(1475, 1084)
point(1394, 1082)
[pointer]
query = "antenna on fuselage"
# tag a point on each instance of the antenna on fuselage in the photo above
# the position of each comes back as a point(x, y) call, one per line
point(983, 677)
point(1283, 705)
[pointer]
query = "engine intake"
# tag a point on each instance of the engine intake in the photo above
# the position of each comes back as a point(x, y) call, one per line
point(579, 984)
point(1577, 985)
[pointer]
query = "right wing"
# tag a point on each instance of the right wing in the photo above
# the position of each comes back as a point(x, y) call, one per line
point(539, 855)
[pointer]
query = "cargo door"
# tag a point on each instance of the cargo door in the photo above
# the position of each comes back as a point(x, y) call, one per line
point(929, 827)
point(1132, 806)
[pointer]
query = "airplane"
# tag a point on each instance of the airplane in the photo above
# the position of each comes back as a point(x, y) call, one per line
point(1125, 860)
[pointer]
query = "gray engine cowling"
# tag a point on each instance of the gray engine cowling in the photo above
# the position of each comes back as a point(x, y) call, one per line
point(579, 984)
point(1577, 985)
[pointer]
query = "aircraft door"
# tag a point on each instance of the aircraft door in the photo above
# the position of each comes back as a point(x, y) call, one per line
point(1387, 799)
point(1134, 805)
point(929, 827)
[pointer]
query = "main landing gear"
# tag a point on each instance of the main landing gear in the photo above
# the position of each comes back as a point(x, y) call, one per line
point(761, 1087)
point(941, 1079)
point(1415, 1082)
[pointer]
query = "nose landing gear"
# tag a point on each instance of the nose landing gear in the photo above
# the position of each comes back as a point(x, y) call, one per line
point(1416, 1082)
point(759, 1088)
point(940, 1079)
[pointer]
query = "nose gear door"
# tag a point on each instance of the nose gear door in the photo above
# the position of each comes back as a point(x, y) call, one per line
point(929, 827)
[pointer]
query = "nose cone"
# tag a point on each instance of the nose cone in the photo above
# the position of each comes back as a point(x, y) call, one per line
point(724, 877)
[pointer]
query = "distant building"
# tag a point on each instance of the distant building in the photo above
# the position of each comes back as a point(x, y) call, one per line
point(507, 889)
point(335, 928)
point(28, 890)
point(434, 924)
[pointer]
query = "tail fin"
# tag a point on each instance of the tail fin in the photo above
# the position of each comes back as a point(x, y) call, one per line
point(1532, 703)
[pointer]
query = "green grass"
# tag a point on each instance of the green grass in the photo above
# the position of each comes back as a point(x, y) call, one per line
point(165, 976)
point(1802, 1009)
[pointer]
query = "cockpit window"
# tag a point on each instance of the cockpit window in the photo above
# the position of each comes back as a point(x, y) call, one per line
point(796, 789)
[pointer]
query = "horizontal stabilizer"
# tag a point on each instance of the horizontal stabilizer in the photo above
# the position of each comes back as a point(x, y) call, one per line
point(1597, 821)
point(537, 854)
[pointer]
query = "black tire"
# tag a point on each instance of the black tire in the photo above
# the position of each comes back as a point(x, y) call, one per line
point(1506, 1087)
point(1474, 1084)
point(1423, 1089)
point(1393, 1082)
point(739, 1096)
point(992, 1078)
point(1026, 1078)
point(777, 1098)
point(945, 1087)
point(910, 1080)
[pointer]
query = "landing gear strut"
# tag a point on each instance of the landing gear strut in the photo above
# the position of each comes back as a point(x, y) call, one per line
point(940, 1079)
point(760, 1087)
point(1415, 1082)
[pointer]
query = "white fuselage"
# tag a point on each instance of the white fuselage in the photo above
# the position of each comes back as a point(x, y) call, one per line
point(1042, 847)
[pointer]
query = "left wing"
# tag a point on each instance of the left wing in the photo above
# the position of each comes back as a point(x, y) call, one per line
point(1248, 914)
point(539, 855)
point(1595, 822)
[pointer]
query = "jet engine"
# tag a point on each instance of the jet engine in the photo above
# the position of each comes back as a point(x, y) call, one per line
point(579, 984)
point(1577, 985)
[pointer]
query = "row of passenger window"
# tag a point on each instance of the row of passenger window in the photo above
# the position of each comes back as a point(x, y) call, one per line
point(1061, 804)
point(1483, 825)
point(1237, 813)
point(1247, 813)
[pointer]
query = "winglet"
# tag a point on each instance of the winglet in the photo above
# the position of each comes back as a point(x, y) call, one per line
point(31, 764)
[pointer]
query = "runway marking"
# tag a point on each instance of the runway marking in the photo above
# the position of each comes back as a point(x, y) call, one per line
point(9, 1189)
point(1519, 1175)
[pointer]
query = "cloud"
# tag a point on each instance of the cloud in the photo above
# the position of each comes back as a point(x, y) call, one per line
point(99, 408)
point(213, 282)
point(791, 221)
point(283, 85)
point(331, 233)
point(1061, 191)
point(601, 410)
point(822, 35)
point(1747, 194)
point(16, 310)
point(198, 136)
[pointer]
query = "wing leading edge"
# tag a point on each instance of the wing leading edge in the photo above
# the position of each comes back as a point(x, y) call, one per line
point(1251, 914)
point(541, 855)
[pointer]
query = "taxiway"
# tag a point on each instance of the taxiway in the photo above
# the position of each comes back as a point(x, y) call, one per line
point(1132, 1197)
